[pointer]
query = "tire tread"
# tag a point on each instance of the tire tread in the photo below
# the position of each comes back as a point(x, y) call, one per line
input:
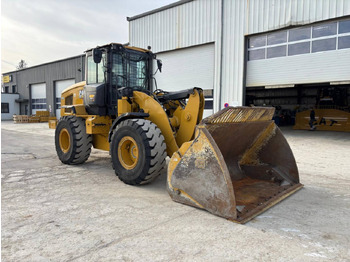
point(82, 142)
point(152, 139)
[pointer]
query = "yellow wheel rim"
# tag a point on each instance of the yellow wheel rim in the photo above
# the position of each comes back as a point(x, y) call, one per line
point(64, 139)
point(128, 152)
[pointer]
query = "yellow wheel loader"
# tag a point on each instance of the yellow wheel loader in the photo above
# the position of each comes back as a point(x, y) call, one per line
point(235, 164)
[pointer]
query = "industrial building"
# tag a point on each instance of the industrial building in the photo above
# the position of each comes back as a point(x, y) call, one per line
point(9, 106)
point(286, 54)
point(274, 53)
point(39, 87)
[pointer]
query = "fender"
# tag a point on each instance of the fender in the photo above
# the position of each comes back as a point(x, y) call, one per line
point(130, 115)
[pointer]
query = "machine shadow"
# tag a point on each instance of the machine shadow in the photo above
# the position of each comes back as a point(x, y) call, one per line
point(101, 160)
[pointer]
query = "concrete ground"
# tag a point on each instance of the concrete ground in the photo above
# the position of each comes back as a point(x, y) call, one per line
point(56, 212)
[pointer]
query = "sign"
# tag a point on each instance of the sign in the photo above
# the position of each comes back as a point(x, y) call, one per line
point(7, 78)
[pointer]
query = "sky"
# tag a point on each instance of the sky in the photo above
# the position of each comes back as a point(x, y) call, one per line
point(40, 31)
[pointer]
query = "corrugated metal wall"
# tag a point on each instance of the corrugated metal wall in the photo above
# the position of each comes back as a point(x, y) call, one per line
point(232, 54)
point(190, 24)
point(199, 21)
point(267, 15)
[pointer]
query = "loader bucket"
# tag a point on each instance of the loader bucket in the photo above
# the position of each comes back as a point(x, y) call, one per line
point(238, 165)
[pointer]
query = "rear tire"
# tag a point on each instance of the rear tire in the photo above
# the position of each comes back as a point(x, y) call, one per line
point(138, 151)
point(73, 145)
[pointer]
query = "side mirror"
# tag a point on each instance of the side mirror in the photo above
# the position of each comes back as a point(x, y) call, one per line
point(97, 55)
point(159, 64)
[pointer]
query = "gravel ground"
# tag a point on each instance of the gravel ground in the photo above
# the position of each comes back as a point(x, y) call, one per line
point(56, 212)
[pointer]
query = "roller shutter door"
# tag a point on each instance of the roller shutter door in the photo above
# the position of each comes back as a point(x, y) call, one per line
point(329, 66)
point(310, 54)
point(59, 87)
point(38, 97)
point(187, 68)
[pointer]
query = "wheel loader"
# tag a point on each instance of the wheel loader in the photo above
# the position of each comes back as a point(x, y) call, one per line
point(234, 164)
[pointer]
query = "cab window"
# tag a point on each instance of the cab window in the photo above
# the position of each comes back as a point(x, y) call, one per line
point(95, 72)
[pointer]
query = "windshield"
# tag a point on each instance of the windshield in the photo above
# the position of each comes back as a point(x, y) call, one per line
point(129, 70)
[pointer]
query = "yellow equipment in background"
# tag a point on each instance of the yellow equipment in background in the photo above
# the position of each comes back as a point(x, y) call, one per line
point(331, 111)
point(234, 164)
point(325, 119)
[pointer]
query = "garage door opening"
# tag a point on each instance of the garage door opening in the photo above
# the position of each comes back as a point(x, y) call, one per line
point(290, 100)
point(187, 68)
point(38, 97)
point(59, 87)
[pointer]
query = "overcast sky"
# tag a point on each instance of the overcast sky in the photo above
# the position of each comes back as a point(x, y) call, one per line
point(40, 31)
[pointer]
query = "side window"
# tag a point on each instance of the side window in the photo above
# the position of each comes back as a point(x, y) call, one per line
point(299, 48)
point(276, 51)
point(323, 45)
point(344, 42)
point(91, 70)
point(100, 69)
point(277, 38)
point(256, 54)
point(118, 71)
point(344, 27)
point(257, 41)
point(301, 40)
point(324, 30)
point(95, 71)
point(298, 34)
point(5, 108)
point(141, 73)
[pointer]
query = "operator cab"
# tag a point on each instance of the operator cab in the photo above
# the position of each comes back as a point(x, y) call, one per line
point(110, 68)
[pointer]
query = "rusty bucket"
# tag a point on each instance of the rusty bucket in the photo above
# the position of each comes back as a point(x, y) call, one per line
point(238, 165)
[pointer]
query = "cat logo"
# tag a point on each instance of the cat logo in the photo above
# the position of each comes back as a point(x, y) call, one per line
point(92, 98)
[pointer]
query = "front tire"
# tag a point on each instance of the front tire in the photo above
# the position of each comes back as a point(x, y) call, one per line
point(73, 145)
point(138, 151)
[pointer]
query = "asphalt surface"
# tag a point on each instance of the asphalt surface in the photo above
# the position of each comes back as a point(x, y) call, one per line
point(55, 212)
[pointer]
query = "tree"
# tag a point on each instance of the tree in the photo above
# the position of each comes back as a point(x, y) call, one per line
point(22, 64)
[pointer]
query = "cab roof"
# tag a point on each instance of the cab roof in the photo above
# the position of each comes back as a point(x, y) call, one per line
point(118, 44)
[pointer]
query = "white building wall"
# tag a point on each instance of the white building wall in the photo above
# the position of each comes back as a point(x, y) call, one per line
point(267, 15)
point(189, 24)
point(196, 66)
point(13, 105)
point(232, 54)
point(199, 21)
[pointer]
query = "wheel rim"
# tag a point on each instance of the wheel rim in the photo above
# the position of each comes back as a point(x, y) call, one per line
point(64, 139)
point(128, 152)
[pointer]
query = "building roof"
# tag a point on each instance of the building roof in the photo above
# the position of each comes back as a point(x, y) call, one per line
point(181, 2)
point(47, 63)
